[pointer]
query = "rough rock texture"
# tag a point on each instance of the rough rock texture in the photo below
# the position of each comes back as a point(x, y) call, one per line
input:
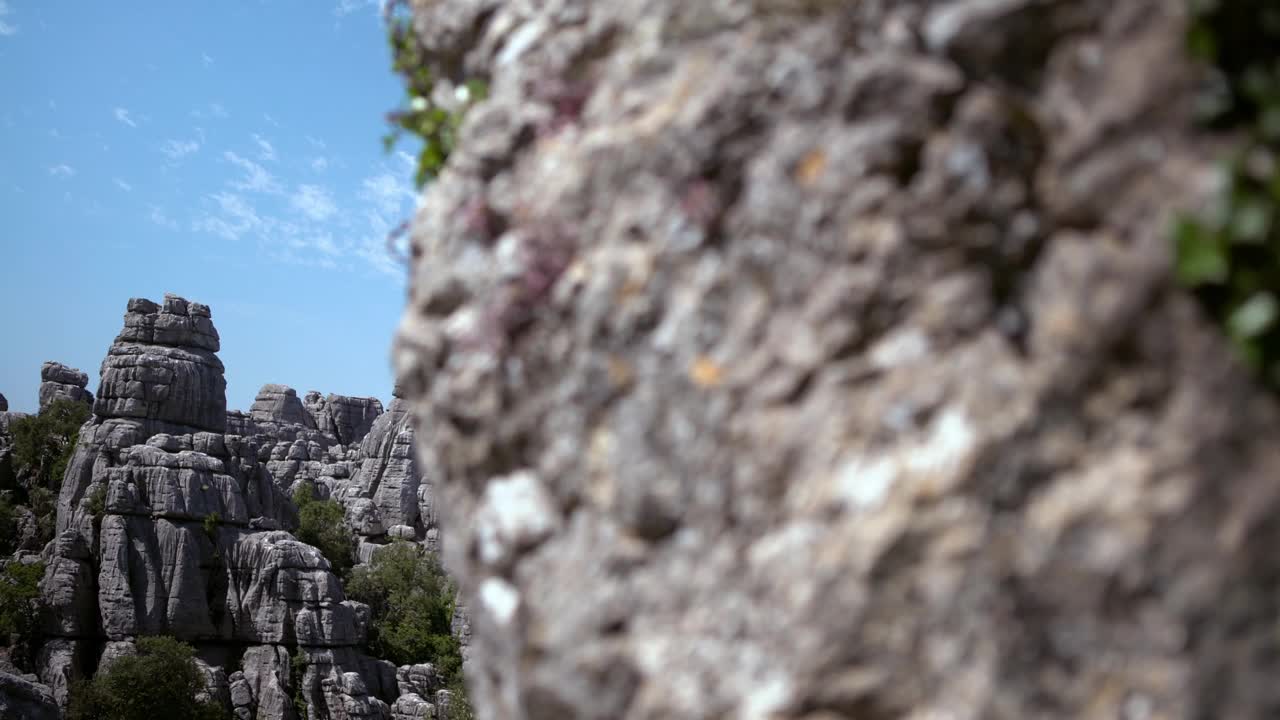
point(162, 368)
point(348, 419)
point(59, 382)
point(4, 403)
point(169, 525)
point(806, 359)
point(21, 698)
point(280, 404)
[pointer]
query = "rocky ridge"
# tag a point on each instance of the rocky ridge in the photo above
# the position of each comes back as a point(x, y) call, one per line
point(173, 516)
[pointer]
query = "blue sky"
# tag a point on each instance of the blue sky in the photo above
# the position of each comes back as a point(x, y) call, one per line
point(228, 152)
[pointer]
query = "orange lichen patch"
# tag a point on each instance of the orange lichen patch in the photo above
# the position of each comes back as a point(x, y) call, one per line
point(706, 372)
point(620, 372)
point(810, 167)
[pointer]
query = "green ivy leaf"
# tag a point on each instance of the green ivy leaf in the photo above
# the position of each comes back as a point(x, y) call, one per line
point(1200, 258)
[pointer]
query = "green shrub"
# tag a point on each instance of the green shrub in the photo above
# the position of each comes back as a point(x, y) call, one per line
point(298, 671)
point(44, 503)
point(20, 610)
point(321, 524)
point(459, 701)
point(420, 116)
point(411, 600)
point(43, 444)
point(1230, 257)
point(161, 681)
point(8, 525)
point(98, 501)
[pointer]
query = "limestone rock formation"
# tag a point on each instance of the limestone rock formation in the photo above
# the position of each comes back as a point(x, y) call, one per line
point(168, 524)
point(162, 370)
point(24, 699)
point(790, 359)
point(348, 419)
point(59, 382)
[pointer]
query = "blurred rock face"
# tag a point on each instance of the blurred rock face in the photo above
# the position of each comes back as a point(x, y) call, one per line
point(785, 359)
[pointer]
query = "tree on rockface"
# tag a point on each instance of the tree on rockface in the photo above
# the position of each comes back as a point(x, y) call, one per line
point(43, 443)
point(161, 681)
point(321, 524)
point(20, 610)
point(411, 600)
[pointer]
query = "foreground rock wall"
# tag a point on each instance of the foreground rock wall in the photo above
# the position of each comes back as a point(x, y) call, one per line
point(822, 359)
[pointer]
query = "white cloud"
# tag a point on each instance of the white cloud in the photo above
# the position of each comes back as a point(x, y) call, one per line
point(266, 152)
point(387, 192)
point(319, 164)
point(256, 178)
point(236, 217)
point(408, 164)
point(324, 243)
point(158, 216)
point(208, 61)
point(199, 133)
point(123, 116)
point(271, 121)
point(316, 143)
point(178, 149)
point(62, 170)
point(6, 28)
point(346, 7)
point(218, 111)
point(314, 202)
point(122, 185)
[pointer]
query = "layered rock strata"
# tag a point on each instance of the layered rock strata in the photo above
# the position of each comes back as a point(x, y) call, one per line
point(169, 524)
point(824, 359)
point(59, 382)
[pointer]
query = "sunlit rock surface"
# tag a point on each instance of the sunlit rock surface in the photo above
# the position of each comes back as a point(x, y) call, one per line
point(790, 359)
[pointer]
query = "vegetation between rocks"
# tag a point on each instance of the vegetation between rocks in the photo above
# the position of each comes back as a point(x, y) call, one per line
point(1230, 256)
point(422, 114)
point(160, 681)
point(320, 524)
point(42, 446)
point(20, 610)
point(411, 599)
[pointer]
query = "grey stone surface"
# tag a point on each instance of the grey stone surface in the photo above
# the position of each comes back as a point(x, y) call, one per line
point(4, 403)
point(280, 404)
point(840, 345)
point(162, 367)
point(348, 419)
point(59, 382)
point(57, 666)
point(170, 525)
point(22, 699)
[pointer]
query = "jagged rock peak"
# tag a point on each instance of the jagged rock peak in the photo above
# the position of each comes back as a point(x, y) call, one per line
point(56, 372)
point(162, 367)
point(178, 323)
point(280, 404)
point(347, 418)
point(4, 403)
point(61, 382)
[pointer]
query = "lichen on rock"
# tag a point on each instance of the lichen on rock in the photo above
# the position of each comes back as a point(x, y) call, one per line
point(838, 349)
